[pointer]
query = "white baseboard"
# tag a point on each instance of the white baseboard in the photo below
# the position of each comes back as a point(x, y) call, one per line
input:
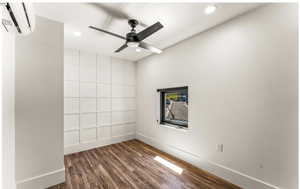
point(58, 176)
point(43, 181)
point(233, 176)
point(95, 144)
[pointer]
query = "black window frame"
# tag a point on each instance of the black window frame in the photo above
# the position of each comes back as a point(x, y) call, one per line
point(162, 105)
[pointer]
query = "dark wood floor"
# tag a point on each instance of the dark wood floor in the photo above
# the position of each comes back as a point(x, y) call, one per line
point(131, 165)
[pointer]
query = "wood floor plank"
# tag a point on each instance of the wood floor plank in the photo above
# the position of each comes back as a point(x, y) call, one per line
point(131, 165)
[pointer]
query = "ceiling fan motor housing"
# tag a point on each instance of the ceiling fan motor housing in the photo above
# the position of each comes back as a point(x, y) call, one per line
point(133, 23)
point(132, 37)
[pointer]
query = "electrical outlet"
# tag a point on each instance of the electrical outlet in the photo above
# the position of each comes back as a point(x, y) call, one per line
point(220, 148)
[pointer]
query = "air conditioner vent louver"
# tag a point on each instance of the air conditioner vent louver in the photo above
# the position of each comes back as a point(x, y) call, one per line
point(18, 18)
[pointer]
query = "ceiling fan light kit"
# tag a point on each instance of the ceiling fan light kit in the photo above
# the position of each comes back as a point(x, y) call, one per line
point(134, 39)
point(133, 44)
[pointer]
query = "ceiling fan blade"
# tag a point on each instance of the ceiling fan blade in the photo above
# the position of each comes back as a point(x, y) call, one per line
point(121, 48)
point(150, 47)
point(149, 31)
point(142, 23)
point(116, 13)
point(110, 33)
point(112, 11)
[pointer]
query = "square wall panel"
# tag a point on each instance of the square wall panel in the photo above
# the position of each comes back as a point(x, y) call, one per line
point(118, 91)
point(104, 133)
point(71, 89)
point(71, 72)
point(103, 69)
point(88, 120)
point(130, 103)
point(68, 57)
point(129, 129)
point(88, 105)
point(88, 90)
point(104, 105)
point(123, 72)
point(88, 67)
point(118, 130)
point(71, 138)
point(104, 119)
point(129, 70)
point(121, 104)
point(71, 56)
point(123, 117)
point(129, 91)
point(71, 121)
point(88, 135)
point(71, 105)
point(104, 90)
point(71, 65)
point(122, 130)
point(118, 104)
point(118, 117)
point(129, 117)
point(131, 74)
point(118, 74)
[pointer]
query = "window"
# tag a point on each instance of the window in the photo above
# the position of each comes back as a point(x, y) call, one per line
point(174, 106)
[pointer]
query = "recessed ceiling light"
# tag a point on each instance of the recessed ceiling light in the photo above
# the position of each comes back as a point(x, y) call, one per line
point(138, 50)
point(210, 9)
point(77, 34)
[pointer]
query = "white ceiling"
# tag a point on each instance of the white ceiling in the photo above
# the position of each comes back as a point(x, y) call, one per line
point(180, 20)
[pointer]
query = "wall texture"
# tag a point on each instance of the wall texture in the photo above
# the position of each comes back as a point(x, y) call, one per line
point(39, 106)
point(7, 54)
point(242, 78)
point(99, 100)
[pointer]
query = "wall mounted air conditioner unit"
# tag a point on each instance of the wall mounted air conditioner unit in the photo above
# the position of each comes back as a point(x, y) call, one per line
point(18, 17)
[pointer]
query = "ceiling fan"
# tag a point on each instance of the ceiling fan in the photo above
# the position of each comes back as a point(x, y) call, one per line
point(115, 12)
point(134, 39)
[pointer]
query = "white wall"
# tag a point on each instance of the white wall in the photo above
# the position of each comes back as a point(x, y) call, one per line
point(99, 100)
point(242, 78)
point(7, 55)
point(39, 106)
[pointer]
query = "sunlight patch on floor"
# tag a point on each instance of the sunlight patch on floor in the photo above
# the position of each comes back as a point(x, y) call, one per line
point(169, 164)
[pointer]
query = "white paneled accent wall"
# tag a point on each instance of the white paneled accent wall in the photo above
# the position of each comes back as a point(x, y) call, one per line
point(99, 100)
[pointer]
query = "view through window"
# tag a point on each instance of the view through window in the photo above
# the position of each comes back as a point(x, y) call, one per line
point(174, 106)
